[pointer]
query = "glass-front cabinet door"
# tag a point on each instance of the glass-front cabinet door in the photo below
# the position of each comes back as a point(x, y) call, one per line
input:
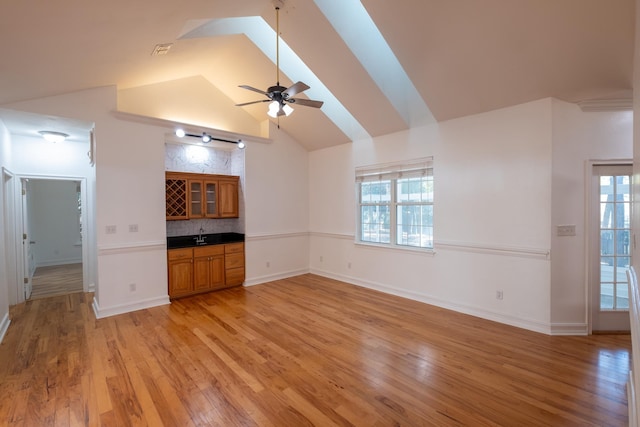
point(211, 190)
point(196, 208)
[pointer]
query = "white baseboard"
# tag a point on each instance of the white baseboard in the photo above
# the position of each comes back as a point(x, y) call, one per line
point(101, 312)
point(59, 262)
point(530, 325)
point(271, 277)
point(4, 326)
point(569, 329)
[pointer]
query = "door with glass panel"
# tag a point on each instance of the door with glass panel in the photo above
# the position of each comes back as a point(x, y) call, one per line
point(611, 247)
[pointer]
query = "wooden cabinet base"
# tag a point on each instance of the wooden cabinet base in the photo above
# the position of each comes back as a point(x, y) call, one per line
point(198, 270)
point(192, 293)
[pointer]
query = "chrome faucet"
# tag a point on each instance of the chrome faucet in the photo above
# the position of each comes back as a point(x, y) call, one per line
point(200, 239)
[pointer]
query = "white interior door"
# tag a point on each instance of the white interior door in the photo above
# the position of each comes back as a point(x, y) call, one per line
point(610, 250)
point(29, 261)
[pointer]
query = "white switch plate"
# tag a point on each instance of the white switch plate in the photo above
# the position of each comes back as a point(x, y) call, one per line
point(110, 229)
point(566, 230)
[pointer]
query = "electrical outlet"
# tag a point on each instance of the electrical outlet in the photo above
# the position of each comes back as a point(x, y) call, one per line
point(349, 265)
point(321, 258)
point(499, 295)
point(132, 287)
point(268, 264)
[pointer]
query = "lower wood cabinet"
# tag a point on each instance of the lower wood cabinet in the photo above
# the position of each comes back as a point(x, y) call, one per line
point(208, 268)
point(205, 268)
point(234, 263)
point(180, 272)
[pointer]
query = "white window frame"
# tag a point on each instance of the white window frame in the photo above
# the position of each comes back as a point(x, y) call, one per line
point(391, 172)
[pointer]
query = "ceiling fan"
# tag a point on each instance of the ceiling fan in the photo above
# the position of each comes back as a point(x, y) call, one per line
point(278, 96)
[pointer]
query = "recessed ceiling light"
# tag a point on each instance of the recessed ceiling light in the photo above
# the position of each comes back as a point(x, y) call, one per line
point(53, 136)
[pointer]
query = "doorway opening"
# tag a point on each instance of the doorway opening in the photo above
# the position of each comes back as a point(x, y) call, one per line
point(610, 248)
point(53, 236)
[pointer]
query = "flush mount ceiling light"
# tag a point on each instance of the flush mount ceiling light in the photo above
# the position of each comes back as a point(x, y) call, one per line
point(53, 136)
point(205, 137)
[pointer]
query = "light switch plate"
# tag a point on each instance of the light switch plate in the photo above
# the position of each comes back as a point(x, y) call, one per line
point(566, 230)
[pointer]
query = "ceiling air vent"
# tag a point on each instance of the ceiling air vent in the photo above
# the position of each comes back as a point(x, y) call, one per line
point(161, 49)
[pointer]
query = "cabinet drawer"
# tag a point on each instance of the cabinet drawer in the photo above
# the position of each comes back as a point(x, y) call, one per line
point(234, 276)
point(233, 261)
point(208, 250)
point(177, 254)
point(232, 248)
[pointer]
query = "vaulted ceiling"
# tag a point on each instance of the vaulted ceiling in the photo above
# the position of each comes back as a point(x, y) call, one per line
point(379, 66)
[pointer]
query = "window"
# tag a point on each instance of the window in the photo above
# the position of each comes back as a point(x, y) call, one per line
point(395, 204)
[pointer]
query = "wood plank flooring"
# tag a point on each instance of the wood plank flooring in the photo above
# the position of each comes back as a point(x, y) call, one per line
point(56, 280)
point(299, 352)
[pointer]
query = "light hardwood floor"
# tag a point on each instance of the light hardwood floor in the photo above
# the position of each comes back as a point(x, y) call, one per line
point(297, 352)
point(56, 280)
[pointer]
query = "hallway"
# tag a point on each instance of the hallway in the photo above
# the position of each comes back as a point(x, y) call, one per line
point(57, 280)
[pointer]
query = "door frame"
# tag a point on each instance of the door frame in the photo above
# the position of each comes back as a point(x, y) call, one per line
point(87, 228)
point(591, 237)
point(8, 205)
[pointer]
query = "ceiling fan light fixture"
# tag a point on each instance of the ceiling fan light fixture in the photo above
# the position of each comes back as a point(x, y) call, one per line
point(274, 107)
point(53, 136)
point(279, 96)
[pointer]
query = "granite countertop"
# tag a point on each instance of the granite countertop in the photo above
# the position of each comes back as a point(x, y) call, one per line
point(209, 239)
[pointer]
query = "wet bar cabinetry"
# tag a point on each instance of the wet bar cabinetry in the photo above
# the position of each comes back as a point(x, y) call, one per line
point(200, 269)
point(192, 195)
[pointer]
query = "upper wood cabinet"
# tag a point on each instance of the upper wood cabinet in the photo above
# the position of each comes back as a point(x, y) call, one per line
point(228, 198)
point(203, 198)
point(176, 195)
point(191, 195)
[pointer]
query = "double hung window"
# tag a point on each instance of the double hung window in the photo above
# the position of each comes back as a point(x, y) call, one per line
point(395, 204)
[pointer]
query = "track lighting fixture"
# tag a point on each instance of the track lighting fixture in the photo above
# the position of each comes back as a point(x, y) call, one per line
point(205, 137)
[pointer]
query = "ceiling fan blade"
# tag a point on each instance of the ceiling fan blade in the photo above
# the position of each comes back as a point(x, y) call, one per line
point(253, 89)
point(295, 89)
point(252, 102)
point(306, 102)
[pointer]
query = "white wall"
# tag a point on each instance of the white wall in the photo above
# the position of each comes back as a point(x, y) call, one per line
point(277, 209)
point(494, 209)
point(492, 216)
point(33, 157)
point(130, 165)
point(578, 137)
point(55, 226)
point(130, 190)
point(503, 180)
